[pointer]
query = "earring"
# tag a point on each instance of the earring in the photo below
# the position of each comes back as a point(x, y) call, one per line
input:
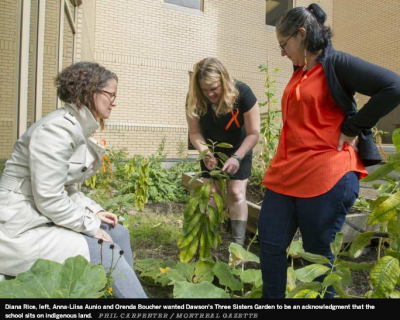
point(305, 60)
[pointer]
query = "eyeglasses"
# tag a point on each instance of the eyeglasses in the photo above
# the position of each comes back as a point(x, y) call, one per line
point(283, 45)
point(111, 95)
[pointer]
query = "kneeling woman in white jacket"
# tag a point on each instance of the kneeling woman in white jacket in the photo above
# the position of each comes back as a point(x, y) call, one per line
point(42, 213)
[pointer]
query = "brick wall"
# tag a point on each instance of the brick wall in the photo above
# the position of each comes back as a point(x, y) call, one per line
point(370, 30)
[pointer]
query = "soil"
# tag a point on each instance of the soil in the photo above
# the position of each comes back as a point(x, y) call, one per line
point(360, 279)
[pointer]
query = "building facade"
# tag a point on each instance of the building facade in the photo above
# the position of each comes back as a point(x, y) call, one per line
point(152, 47)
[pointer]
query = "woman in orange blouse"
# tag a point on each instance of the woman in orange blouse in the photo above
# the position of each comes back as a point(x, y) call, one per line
point(313, 179)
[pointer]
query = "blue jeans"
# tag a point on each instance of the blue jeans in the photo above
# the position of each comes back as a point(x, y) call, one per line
point(319, 219)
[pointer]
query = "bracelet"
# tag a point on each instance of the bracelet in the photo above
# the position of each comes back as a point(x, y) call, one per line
point(237, 158)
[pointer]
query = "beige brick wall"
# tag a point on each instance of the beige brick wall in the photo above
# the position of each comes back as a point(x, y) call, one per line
point(8, 74)
point(370, 30)
point(85, 31)
point(50, 56)
point(153, 48)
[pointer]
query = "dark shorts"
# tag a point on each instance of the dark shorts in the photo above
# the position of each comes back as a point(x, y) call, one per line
point(243, 173)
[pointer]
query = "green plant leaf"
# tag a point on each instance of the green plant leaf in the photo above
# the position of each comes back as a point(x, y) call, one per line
point(191, 207)
point(205, 246)
point(203, 272)
point(314, 286)
point(191, 223)
point(331, 279)
point(187, 239)
point(345, 274)
point(250, 276)
point(394, 294)
point(396, 139)
point(315, 258)
point(203, 154)
point(224, 145)
point(219, 201)
point(212, 238)
point(255, 293)
point(359, 244)
point(204, 196)
point(306, 294)
point(310, 272)
point(353, 265)
point(186, 270)
point(382, 171)
point(295, 248)
point(222, 155)
point(213, 218)
point(225, 277)
point(384, 276)
point(291, 279)
point(386, 210)
point(336, 245)
point(340, 291)
point(48, 279)
point(240, 253)
point(189, 251)
point(203, 290)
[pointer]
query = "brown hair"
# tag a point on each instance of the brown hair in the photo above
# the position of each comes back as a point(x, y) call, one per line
point(79, 82)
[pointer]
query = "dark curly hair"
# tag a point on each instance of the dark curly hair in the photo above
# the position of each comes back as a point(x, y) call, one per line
point(312, 19)
point(79, 82)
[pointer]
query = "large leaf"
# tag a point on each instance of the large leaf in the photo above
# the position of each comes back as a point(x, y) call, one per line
point(331, 279)
point(296, 247)
point(187, 239)
point(394, 294)
point(386, 210)
point(345, 275)
point(189, 251)
point(203, 272)
point(256, 293)
point(213, 218)
point(203, 290)
point(225, 277)
point(291, 279)
point(315, 286)
point(49, 279)
point(250, 276)
point(306, 294)
point(396, 139)
point(192, 223)
point(336, 245)
point(315, 258)
point(310, 272)
point(219, 201)
point(186, 270)
point(353, 265)
point(205, 246)
point(359, 244)
point(382, 171)
point(384, 276)
point(204, 196)
point(191, 207)
point(239, 253)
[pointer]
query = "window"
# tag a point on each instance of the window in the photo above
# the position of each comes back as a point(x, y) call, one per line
point(192, 4)
point(275, 9)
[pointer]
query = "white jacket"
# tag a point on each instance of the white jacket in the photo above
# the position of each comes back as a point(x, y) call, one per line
point(42, 213)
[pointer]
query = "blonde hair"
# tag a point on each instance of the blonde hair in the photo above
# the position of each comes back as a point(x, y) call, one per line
point(210, 70)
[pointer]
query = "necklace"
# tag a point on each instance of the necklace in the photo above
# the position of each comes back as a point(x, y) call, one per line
point(214, 106)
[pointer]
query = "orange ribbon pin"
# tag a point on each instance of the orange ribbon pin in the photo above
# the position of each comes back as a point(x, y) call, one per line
point(103, 143)
point(234, 118)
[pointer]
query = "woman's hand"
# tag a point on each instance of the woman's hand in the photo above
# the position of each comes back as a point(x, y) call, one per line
point(350, 141)
point(101, 234)
point(231, 166)
point(210, 161)
point(107, 217)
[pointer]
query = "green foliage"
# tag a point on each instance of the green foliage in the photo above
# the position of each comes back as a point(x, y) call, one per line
point(270, 129)
point(77, 278)
point(202, 221)
point(205, 279)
